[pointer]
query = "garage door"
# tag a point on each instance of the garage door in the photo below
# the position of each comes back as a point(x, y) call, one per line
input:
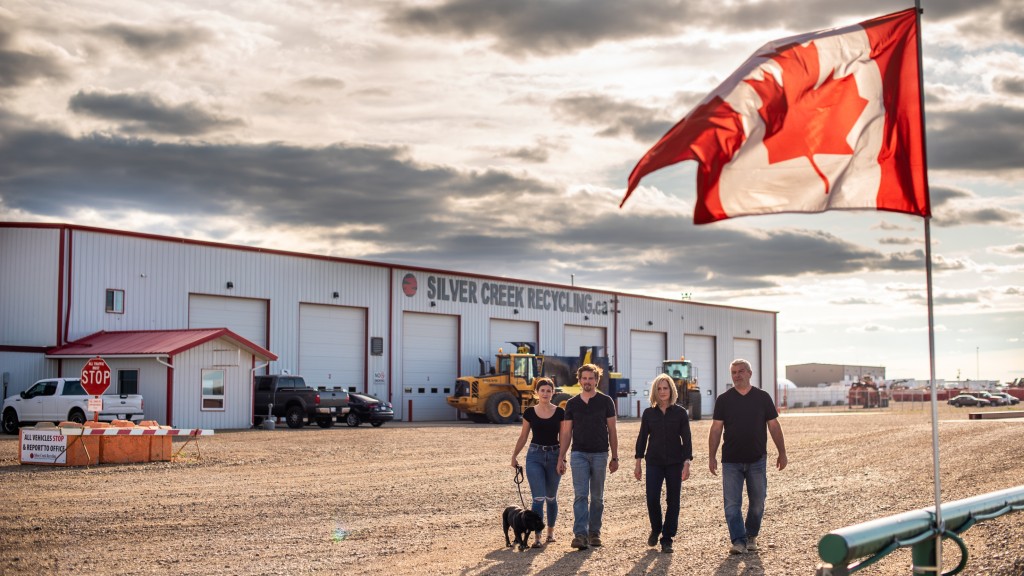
point(701, 351)
point(505, 331)
point(246, 317)
point(430, 356)
point(646, 353)
point(332, 346)
point(750, 350)
point(577, 336)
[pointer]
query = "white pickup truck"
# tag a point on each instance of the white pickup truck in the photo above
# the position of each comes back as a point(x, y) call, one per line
point(60, 399)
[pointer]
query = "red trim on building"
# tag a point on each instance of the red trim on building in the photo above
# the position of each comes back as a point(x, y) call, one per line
point(60, 290)
point(170, 392)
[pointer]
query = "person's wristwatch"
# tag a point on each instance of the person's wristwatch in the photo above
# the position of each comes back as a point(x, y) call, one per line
point(616, 459)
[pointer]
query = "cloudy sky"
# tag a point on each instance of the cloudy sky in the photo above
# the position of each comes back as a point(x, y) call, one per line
point(496, 138)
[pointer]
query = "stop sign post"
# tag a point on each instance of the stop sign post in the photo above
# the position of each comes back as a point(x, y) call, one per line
point(95, 379)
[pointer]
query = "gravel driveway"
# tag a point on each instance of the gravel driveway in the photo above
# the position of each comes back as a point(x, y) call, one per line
point(423, 499)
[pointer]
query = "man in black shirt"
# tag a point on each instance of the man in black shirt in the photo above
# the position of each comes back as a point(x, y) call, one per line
point(744, 412)
point(590, 425)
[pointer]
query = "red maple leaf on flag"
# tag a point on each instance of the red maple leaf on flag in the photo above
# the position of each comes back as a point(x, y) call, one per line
point(802, 118)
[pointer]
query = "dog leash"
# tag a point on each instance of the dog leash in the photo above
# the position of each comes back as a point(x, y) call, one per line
point(518, 479)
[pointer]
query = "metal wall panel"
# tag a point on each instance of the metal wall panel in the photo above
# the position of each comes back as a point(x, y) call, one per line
point(577, 336)
point(23, 369)
point(332, 346)
point(701, 351)
point(646, 353)
point(430, 352)
point(30, 268)
point(158, 276)
point(188, 393)
point(505, 332)
point(479, 301)
point(246, 317)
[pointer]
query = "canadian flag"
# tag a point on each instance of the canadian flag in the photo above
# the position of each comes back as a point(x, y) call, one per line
point(829, 120)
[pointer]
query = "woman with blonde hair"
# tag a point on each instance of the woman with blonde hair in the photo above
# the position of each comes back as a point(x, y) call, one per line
point(545, 419)
point(664, 442)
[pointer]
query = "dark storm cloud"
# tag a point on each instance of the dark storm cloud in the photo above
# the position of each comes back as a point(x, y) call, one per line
point(1013, 21)
point(321, 83)
point(985, 138)
point(914, 260)
point(537, 27)
point(53, 175)
point(541, 27)
point(897, 241)
point(537, 154)
point(18, 68)
point(151, 42)
point(1010, 85)
point(146, 113)
point(953, 207)
point(615, 117)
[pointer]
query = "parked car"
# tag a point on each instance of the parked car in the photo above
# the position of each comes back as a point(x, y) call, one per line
point(1008, 400)
point(962, 400)
point(987, 397)
point(366, 408)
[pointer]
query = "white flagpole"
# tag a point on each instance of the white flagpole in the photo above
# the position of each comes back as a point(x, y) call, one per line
point(939, 524)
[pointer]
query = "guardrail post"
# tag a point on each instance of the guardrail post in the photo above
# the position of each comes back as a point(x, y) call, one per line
point(924, 557)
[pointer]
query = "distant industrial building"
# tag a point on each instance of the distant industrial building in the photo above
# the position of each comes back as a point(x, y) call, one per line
point(807, 375)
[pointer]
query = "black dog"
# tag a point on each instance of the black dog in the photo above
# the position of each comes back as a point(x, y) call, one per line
point(522, 522)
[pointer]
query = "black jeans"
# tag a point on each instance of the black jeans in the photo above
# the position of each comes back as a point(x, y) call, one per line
point(671, 476)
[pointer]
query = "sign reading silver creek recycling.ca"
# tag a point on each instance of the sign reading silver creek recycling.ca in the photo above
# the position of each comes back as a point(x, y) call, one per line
point(468, 291)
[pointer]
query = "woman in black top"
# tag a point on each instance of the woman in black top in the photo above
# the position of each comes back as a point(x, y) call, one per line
point(545, 419)
point(665, 442)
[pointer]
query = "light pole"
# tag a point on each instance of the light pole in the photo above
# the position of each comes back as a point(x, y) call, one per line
point(977, 362)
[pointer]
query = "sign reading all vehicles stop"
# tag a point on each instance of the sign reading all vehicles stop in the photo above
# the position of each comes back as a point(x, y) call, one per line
point(95, 376)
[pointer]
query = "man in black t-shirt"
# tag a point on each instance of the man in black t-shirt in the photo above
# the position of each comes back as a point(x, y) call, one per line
point(747, 415)
point(590, 425)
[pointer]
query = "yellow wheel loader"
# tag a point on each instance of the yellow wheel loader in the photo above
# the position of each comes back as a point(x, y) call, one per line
point(684, 374)
point(500, 394)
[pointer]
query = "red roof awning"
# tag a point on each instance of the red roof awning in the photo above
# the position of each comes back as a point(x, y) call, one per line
point(151, 343)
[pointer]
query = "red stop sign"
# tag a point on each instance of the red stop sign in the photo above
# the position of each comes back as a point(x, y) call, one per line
point(95, 376)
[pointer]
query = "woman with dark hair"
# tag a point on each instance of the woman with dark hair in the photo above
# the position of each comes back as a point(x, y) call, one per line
point(545, 419)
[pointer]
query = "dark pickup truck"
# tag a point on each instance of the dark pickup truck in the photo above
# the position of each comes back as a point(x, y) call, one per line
point(287, 396)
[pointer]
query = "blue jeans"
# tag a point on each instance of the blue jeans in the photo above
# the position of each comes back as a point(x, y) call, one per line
point(542, 472)
point(589, 470)
point(671, 476)
point(733, 476)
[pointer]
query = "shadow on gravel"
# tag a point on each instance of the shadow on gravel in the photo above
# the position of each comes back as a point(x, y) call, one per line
point(653, 562)
point(746, 564)
point(569, 563)
point(505, 561)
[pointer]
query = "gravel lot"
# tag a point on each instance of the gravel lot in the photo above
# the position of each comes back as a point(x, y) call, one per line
point(427, 498)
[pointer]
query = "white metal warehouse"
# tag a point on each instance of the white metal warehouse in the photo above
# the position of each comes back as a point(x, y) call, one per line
point(399, 333)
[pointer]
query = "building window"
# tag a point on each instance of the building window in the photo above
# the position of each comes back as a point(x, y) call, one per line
point(127, 381)
point(213, 390)
point(115, 301)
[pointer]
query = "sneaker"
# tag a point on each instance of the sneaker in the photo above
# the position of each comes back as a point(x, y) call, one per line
point(738, 548)
point(652, 540)
point(579, 542)
point(666, 547)
point(751, 543)
point(595, 540)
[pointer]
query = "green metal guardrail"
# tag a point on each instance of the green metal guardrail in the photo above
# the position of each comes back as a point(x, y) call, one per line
point(877, 538)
